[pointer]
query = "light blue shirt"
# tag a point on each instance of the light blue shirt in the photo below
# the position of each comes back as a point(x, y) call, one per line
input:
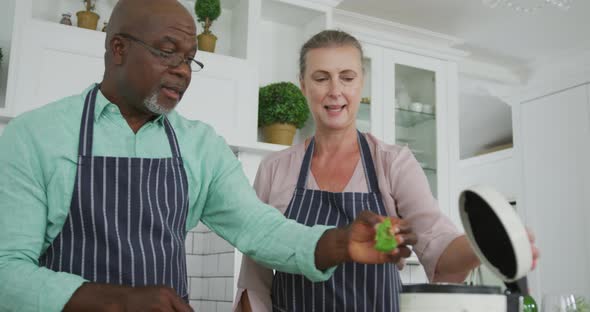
point(38, 153)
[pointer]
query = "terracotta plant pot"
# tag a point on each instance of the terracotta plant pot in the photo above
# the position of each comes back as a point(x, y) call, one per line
point(87, 19)
point(206, 42)
point(278, 133)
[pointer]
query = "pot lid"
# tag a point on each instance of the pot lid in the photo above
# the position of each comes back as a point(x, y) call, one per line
point(450, 289)
point(495, 232)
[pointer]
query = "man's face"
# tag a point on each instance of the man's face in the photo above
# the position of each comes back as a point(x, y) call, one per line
point(153, 85)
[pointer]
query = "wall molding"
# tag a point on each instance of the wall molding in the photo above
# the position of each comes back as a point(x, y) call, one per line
point(398, 36)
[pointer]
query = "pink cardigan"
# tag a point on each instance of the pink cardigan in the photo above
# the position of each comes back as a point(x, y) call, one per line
point(404, 189)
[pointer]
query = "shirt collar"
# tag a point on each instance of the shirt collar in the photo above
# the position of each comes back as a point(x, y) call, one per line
point(104, 107)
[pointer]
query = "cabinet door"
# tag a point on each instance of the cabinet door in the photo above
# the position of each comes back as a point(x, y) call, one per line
point(372, 101)
point(52, 64)
point(415, 114)
point(555, 132)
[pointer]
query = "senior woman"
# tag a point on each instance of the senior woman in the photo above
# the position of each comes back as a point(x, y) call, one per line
point(335, 175)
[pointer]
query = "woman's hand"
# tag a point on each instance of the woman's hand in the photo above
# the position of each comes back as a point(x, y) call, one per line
point(534, 248)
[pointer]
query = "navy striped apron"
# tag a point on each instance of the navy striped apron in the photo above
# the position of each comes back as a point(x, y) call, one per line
point(353, 287)
point(127, 217)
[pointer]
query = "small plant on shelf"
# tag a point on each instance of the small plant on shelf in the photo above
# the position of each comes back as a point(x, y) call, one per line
point(207, 12)
point(88, 19)
point(582, 305)
point(282, 109)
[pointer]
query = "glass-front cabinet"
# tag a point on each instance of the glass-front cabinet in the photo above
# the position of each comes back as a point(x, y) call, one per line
point(371, 106)
point(404, 102)
point(415, 116)
point(415, 89)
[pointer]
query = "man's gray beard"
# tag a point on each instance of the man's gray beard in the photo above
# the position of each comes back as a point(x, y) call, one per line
point(151, 103)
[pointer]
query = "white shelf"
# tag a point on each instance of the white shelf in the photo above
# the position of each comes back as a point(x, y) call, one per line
point(281, 31)
point(231, 27)
point(258, 147)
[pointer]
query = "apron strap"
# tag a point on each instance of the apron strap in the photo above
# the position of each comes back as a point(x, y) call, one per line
point(172, 139)
point(87, 127)
point(87, 123)
point(368, 165)
point(305, 166)
point(366, 159)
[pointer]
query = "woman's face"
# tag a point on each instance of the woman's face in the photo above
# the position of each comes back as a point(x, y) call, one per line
point(332, 83)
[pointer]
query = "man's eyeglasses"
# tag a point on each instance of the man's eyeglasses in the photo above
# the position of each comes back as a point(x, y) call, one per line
point(169, 59)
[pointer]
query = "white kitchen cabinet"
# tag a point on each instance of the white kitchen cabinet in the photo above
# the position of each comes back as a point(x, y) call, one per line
point(53, 61)
point(552, 134)
point(426, 133)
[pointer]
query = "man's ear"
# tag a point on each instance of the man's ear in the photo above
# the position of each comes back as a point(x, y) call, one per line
point(118, 49)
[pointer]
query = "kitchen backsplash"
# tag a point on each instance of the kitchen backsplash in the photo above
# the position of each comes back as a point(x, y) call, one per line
point(210, 270)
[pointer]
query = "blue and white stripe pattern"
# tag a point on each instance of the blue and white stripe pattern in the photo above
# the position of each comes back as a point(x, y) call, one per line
point(127, 217)
point(353, 287)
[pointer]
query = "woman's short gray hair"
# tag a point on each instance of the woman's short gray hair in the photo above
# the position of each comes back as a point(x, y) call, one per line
point(325, 39)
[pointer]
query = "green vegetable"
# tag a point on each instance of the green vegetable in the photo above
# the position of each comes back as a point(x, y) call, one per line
point(529, 304)
point(581, 304)
point(385, 240)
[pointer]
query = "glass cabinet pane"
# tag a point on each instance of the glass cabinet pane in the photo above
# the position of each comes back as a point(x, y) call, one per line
point(363, 117)
point(415, 116)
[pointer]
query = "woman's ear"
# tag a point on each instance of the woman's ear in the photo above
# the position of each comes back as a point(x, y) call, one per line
point(302, 85)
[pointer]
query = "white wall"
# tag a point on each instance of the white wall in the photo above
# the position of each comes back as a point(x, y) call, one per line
point(553, 132)
point(2, 126)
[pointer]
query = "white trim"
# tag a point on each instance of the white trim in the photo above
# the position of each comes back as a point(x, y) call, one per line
point(554, 83)
point(306, 4)
point(330, 3)
point(487, 158)
point(400, 37)
point(257, 147)
point(489, 71)
point(554, 77)
point(402, 30)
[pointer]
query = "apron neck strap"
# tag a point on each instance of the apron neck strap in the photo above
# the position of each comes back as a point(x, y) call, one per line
point(87, 127)
point(366, 159)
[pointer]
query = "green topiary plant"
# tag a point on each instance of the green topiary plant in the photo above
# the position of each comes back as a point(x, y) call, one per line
point(207, 11)
point(90, 5)
point(282, 102)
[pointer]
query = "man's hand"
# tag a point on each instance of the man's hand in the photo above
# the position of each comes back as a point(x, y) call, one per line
point(356, 242)
point(362, 239)
point(103, 297)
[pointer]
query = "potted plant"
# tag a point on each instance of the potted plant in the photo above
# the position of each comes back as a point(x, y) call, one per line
point(282, 109)
point(207, 11)
point(88, 19)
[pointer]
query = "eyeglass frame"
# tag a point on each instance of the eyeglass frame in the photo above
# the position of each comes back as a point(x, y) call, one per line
point(164, 56)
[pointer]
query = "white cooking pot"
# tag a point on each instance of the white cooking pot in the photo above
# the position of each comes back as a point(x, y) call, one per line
point(500, 240)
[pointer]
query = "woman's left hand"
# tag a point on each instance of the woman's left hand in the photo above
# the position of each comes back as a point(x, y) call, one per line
point(534, 248)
